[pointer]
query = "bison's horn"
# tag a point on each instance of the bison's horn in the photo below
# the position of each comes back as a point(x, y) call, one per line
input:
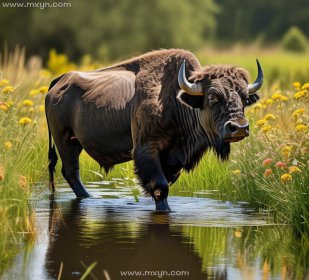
point(185, 85)
point(259, 80)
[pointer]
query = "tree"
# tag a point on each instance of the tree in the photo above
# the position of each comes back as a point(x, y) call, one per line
point(118, 28)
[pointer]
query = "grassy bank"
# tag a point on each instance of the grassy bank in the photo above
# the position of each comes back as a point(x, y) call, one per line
point(21, 155)
point(269, 169)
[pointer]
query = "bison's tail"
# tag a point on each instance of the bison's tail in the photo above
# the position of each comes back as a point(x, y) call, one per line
point(52, 155)
point(52, 158)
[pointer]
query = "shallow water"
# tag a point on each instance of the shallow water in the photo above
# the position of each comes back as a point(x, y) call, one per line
point(201, 239)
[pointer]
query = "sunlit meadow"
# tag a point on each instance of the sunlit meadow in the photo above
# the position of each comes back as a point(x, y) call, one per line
point(269, 169)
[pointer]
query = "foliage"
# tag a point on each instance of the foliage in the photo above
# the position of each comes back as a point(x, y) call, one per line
point(266, 21)
point(112, 28)
point(295, 40)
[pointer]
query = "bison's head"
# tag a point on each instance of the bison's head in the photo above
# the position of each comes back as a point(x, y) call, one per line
point(221, 93)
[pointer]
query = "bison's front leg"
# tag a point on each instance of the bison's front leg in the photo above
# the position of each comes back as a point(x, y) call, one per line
point(149, 170)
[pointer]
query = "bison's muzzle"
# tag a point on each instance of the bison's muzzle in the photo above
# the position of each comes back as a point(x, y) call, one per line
point(236, 130)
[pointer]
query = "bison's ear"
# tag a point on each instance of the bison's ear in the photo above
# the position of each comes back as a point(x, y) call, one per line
point(191, 101)
point(253, 97)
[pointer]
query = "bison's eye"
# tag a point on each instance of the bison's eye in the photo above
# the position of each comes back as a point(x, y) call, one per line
point(212, 99)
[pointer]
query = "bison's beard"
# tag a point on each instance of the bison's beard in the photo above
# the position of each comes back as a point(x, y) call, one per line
point(222, 149)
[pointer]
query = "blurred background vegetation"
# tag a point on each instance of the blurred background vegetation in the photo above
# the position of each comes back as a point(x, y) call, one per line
point(114, 29)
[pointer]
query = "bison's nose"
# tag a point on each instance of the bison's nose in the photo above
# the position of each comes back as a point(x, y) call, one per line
point(236, 130)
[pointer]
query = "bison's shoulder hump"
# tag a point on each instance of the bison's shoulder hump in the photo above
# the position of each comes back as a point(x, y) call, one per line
point(112, 89)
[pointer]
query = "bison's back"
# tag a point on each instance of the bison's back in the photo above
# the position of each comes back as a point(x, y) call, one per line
point(94, 108)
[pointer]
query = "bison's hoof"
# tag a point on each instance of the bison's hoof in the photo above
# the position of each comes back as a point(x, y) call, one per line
point(84, 194)
point(162, 206)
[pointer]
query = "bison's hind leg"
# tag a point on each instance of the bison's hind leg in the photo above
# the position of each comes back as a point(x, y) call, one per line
point(69, 150)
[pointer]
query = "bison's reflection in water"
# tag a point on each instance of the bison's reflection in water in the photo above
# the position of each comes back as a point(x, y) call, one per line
point(209, 242)
point(81, 235)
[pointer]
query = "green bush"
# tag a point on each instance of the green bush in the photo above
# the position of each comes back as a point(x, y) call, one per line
point(294, 40)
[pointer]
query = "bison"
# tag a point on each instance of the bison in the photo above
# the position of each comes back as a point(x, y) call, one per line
point(161, 109)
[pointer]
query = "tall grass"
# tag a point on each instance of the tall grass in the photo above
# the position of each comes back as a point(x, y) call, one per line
point(21, 154)
point(210, 175)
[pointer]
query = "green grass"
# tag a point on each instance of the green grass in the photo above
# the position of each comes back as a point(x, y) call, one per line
point(279, 66)
point(211, 174)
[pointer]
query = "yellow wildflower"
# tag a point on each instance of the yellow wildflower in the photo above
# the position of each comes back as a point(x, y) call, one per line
point(269, 117)
point(34, 92)
point(9, 103)
point(4, 82)
point(286, 151)
point(269, 101)
point(257, 106)
point(284, 98)
point(44, 73)
point(43, 89)
point(275, 87)
point(305, 86)
point(8, 89)
point(299, 94)
point(25, 120)
point(299, 121)
point(286, 154)
point(261, 122)
point(297, 85)
point(236, 171)
point(263, 102)
point(42, 108)
point(298, 112)
point(294, 169)
point(238, 233)
point(266, 128)
point(286, 177)
point(27, 102)
point(3, 107)
point(276, 96)
point(8, 145)
point(301, 128)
